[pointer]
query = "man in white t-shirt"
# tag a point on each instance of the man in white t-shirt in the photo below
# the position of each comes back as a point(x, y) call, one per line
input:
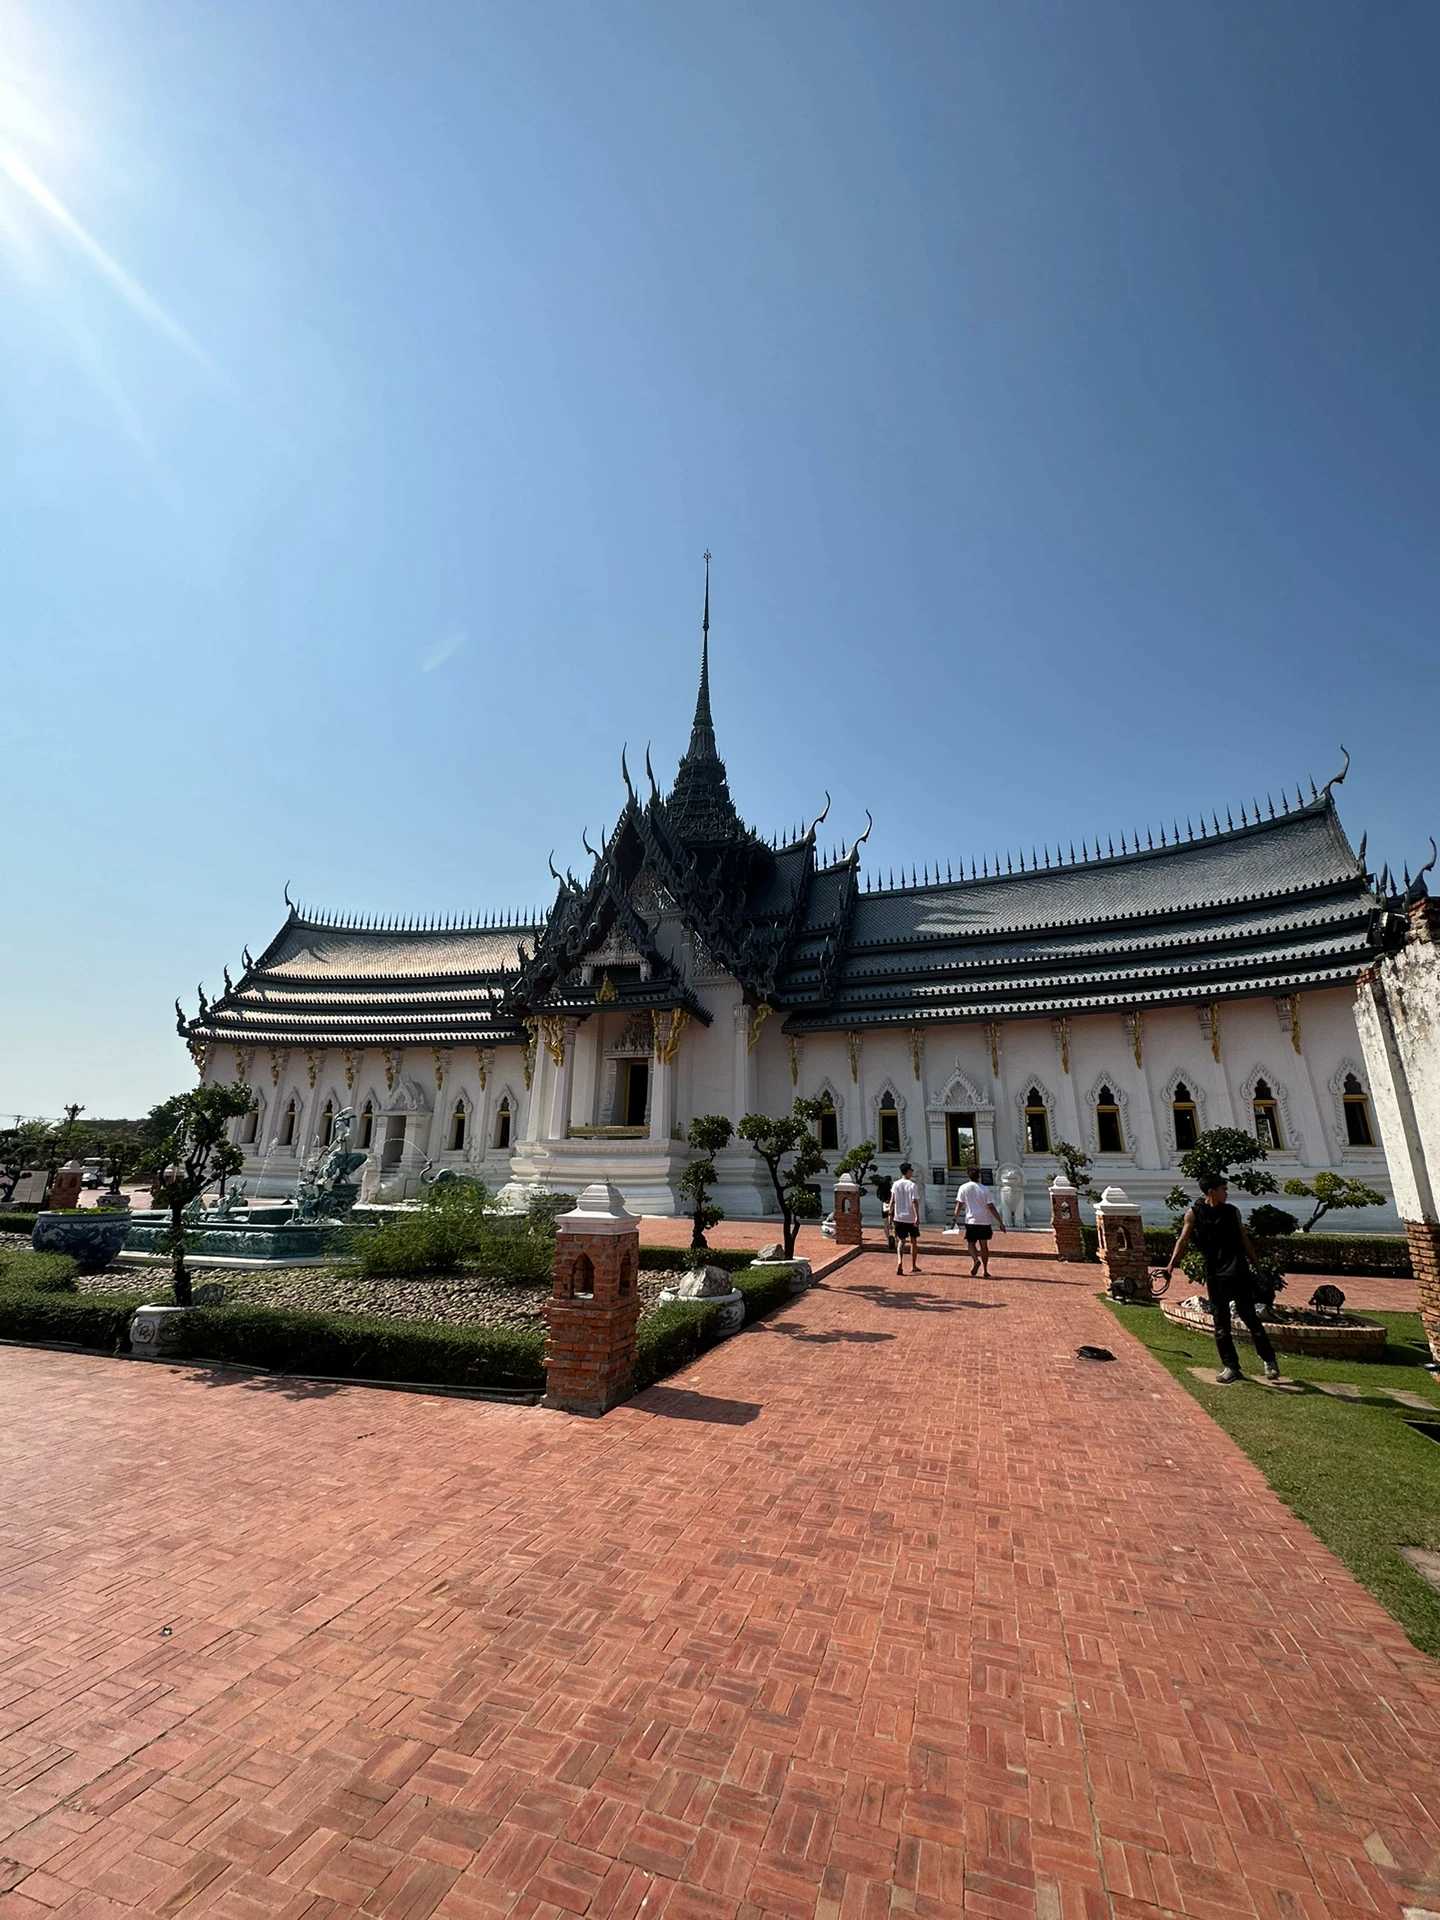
point(905, 1218)
point(974, 1204)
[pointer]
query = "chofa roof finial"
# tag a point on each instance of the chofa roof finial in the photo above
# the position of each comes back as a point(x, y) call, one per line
point(1336, 778)
point(855, 850)
point(288, 901)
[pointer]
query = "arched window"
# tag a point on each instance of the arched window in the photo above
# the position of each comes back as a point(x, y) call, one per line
point(502, 1123)
point(827, 1127)
point(1182, 1115)
point(327, 1122)
point(888, 1123)
point(289, 1121)
point(250, 1125)
point(1358, 1130)
point(1267, 1118)
point(1109, 1134)
point(456, 1139)
point(1037, 1122)
point(366, 1136)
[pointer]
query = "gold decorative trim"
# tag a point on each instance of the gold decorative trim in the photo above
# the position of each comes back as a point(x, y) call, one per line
point(757, 1020)
point(1062, 1040)
point(351, 1057)
point(312, 1064)
point(441, 1057)
point(1295, 1021)
point(1135, 1027)
point(852, 1047)
point(391, 1057)
point(527, 1058)
point(552, 1031)
point(792, 1047)
point(668, 1046)
point(992, 1034)
point(606, 992)
point(279, 1060)
point(244, 1056)
point(199, 1054)
point(484, 1060)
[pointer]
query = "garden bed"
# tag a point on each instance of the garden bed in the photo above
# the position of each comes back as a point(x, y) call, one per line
point(1327, 1336)
point(461, 1299)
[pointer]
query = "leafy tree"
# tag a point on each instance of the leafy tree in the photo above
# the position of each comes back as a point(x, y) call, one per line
point(1227, 1153)
point(1267, 1221)
point(187, 1150)
point(24, 1148)
point(792, 1157)
point(860, 1161)
point(1333, 1193)
point(1075, 1164)
point(709, 1134)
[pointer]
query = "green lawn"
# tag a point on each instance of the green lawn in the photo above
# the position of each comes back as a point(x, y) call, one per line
point(1354, 1471)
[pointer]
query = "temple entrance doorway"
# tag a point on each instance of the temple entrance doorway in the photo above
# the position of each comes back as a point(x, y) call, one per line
point(632, 1093)
point(961, 1147)
point(393, 1151)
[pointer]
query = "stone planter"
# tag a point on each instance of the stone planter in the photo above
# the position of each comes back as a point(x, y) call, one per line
point(799, 1271)
point(731, 1305)
point(157, 1333)
point(113, 1203)
point(91, 1239)
point(1344, 1338)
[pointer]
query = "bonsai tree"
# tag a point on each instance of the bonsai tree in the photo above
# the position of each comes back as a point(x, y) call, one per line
point(1075, 1164)
point(1333, 1193)
point(792, 1157)
point(187, 1150)
point(1268, 1222)
point(861, 1162)
point(30, 1145)
point(708, 1134)
point(1221, 1153)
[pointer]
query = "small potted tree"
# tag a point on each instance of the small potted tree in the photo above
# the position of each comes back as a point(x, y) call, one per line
point(792, 1157)
point(186, 1149)
point(708, 1134)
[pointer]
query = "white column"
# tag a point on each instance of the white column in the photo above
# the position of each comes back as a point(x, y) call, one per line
point(744, 1063)
point(662, 1100)
point(561, 1080)
point(536, 1104)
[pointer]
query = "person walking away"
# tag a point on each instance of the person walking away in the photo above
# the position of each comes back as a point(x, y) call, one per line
point(905, 1218)
point(976, 1206)
point(1223, 1240)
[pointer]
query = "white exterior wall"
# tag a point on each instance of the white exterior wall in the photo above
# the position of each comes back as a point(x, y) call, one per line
point(716, 1070)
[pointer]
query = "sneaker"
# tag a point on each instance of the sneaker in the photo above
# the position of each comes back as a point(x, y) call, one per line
point(1227, 1377)
point(1272, 1372)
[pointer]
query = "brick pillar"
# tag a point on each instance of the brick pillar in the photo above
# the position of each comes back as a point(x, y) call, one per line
point(65, 1187)
point(1424, 1238)
point(1122, 1246)
point(847, 1212)
point(593, 1310)
point(1065, 1219)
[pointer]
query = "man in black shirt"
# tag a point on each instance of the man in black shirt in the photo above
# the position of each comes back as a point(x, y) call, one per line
point(1223, 1239)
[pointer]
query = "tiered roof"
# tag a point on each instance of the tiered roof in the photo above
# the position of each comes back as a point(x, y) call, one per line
point(1276, 905)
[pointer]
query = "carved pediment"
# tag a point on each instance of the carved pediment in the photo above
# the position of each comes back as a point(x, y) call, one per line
point(409, 1097)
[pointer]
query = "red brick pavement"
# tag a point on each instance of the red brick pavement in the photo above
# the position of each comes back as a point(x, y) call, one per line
point(889, 1606)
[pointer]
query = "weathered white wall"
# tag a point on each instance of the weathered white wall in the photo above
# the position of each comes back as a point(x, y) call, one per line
point(1397, 1009)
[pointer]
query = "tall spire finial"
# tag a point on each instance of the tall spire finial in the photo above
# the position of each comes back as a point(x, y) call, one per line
point(702, 730)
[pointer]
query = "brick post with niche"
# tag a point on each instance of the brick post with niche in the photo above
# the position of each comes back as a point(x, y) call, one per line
point(1065, 1219)
point(594, 1306)
point(847, 1211)
point(1123, 1253)
point(1397, 1011)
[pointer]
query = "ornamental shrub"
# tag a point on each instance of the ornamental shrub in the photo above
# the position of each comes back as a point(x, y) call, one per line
point(764, 1288)
point(671, 1337)
point(17, 1222)
point(1267, 1221)
point(668, 1259)
point(352, 1346)
point(38, 1272)
point(82, 1320)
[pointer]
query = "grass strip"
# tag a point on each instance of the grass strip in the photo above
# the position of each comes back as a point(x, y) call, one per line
point(1355, 1471)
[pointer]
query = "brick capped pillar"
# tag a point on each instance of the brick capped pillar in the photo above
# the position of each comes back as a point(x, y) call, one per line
point(1424, 1238)
point(1065, 1219)
point(594, 1307)
point(1123, 1252)
point(847, 1212)
point(65, 1187)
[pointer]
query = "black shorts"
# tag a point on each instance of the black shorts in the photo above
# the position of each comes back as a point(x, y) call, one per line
point(906, 1230)
point(972, 1234)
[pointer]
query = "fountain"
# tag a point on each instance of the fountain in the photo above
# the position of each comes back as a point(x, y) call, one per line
point(310, 1226)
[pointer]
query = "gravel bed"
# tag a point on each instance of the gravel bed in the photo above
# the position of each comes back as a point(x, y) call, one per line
point(457, 1299)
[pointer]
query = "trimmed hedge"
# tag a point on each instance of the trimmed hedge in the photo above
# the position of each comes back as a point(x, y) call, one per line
point(81, 1319)
point(671, 1337)
point(764, 1288)
point(1376, 1256)
point(665, 1259)
point(353, 1346)
point(37, 1272)
point(17, 1222)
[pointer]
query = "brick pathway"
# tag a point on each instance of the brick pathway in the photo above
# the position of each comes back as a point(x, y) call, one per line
point(889, 1606)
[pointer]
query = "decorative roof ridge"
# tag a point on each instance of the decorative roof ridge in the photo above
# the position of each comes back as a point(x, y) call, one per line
point(318, 920)
point(1258, 822)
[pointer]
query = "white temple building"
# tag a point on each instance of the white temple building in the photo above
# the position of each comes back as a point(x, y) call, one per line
point(1121, 999)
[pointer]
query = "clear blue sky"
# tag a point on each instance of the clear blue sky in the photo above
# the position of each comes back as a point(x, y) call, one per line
point(1057, 386)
